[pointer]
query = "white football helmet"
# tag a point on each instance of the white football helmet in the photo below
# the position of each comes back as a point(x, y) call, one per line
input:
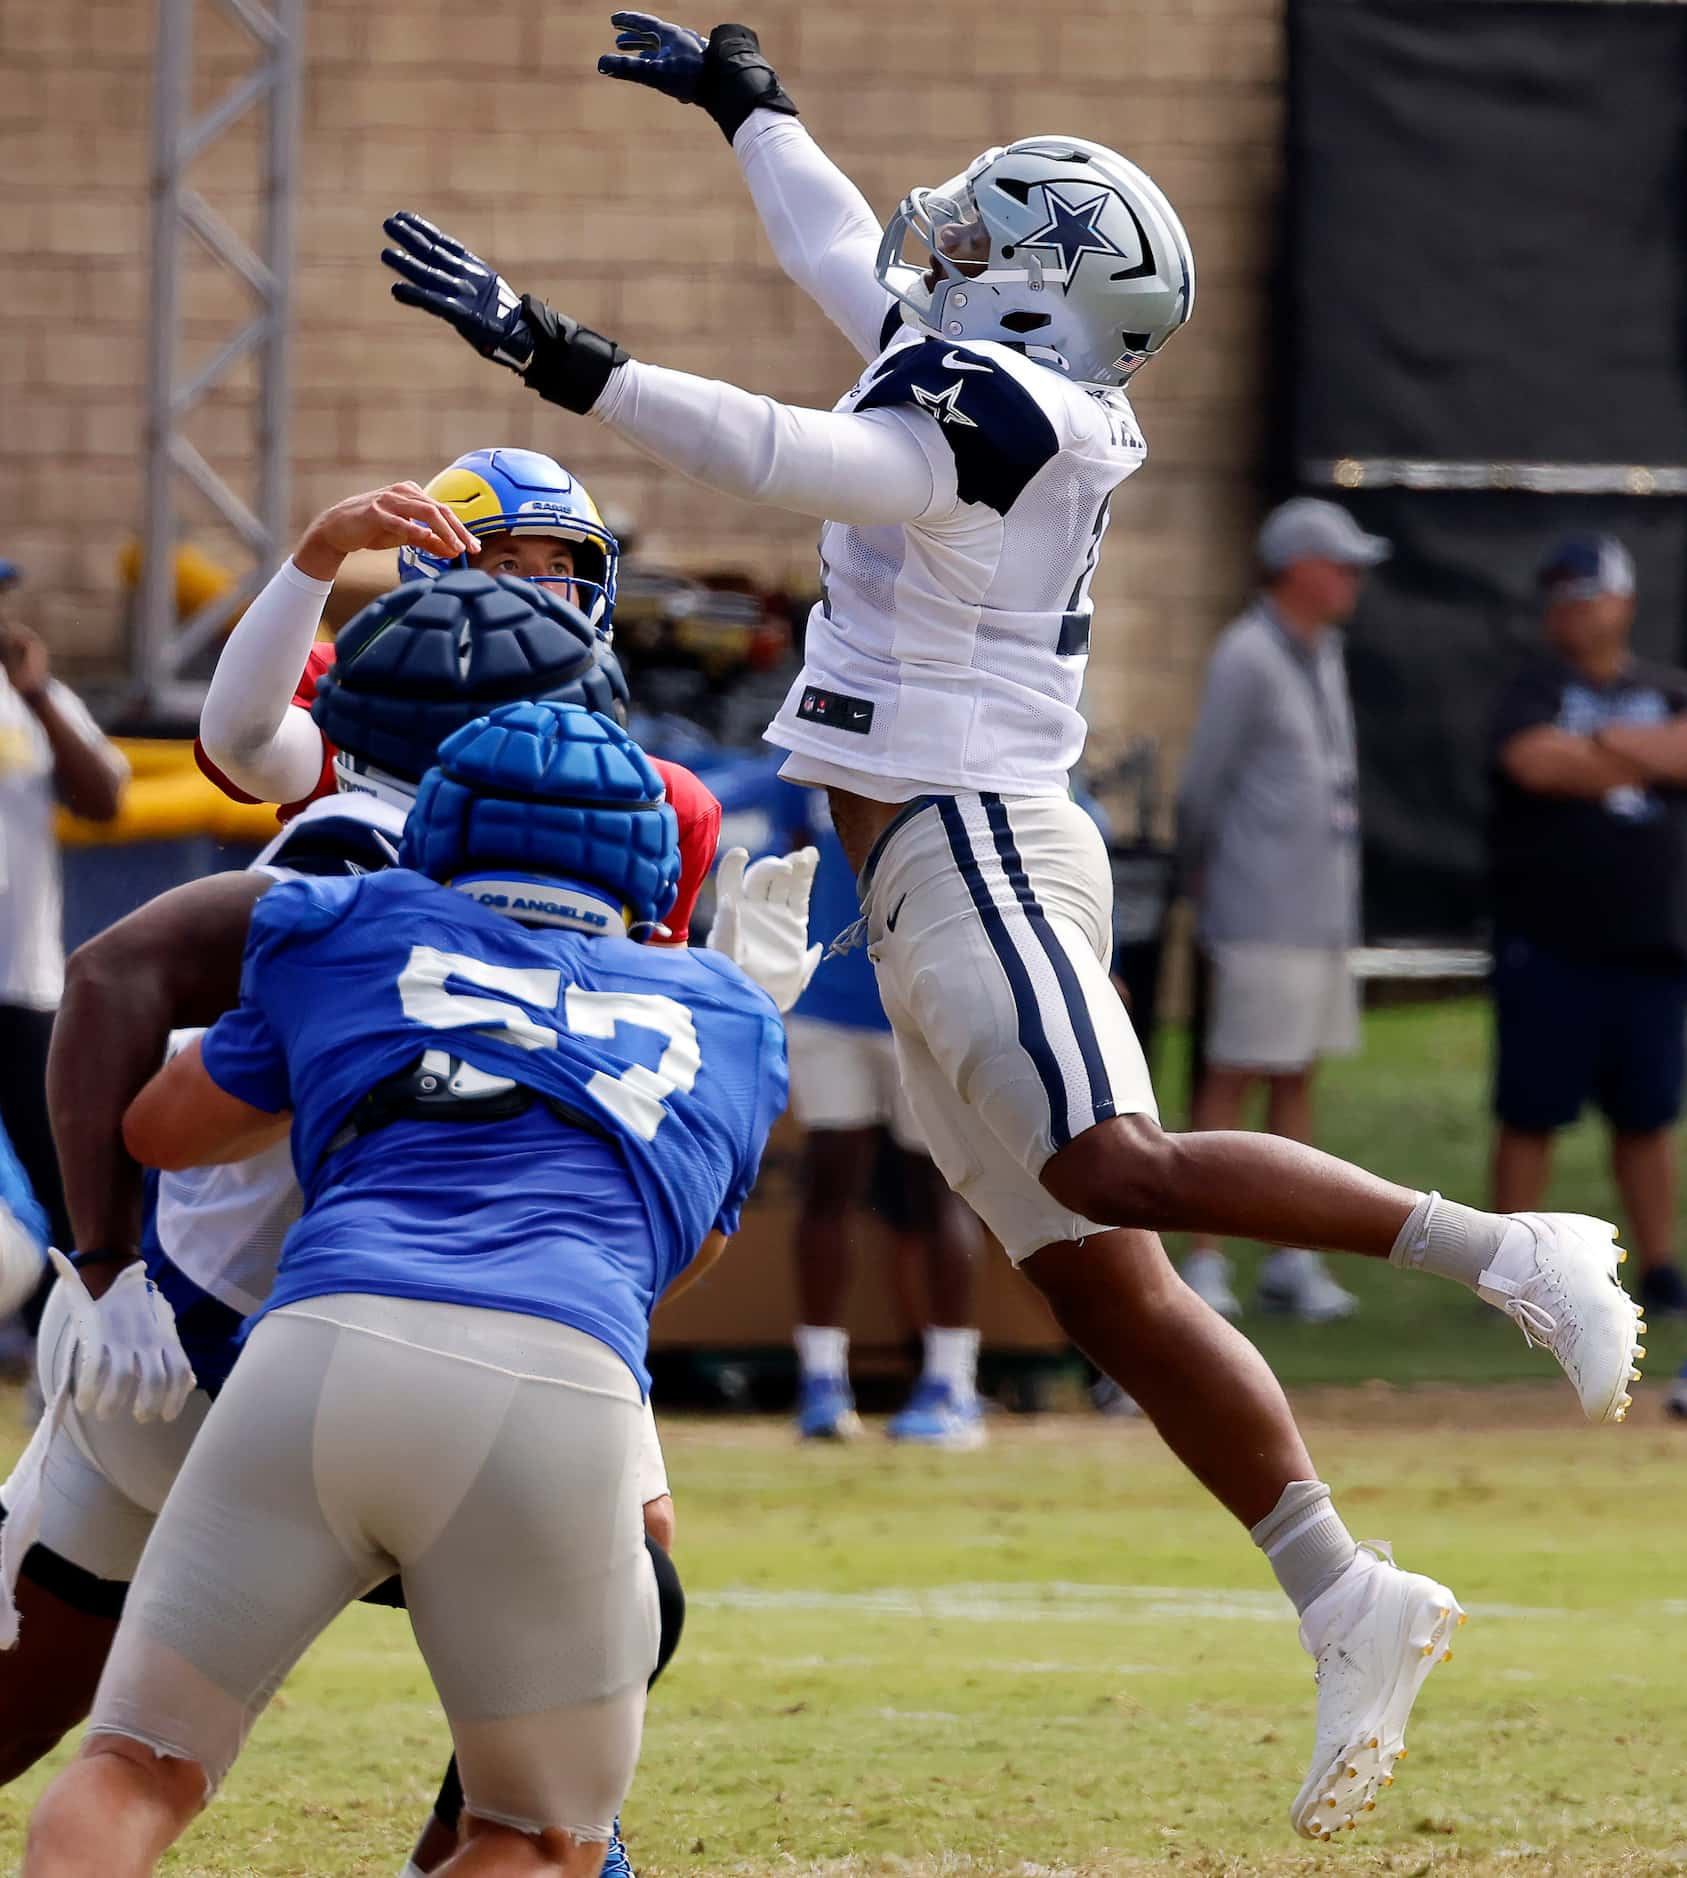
point(1053, 244)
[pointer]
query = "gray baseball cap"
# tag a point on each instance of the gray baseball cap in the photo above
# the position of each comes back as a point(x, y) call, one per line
point(1306, 529)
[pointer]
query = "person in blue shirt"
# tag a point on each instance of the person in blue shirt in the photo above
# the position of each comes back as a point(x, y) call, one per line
point(845, 1090)
point(23, 1232)
point(515, 1129)
point(847, 1095)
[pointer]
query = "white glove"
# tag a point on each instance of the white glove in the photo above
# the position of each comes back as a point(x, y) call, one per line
point(761, 920)
point(127, 1358)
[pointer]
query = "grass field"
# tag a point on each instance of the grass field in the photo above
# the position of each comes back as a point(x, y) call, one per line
point(1056, 1656)
point(1414, 1106)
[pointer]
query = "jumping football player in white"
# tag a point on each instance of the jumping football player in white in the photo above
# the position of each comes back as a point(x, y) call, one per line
point(964, 481)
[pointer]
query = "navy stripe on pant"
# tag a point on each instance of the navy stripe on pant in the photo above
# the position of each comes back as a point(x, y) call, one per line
point(1033, 1036)
point(1071, 991)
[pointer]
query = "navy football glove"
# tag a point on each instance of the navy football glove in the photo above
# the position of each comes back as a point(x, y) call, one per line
point(443, 278)
point(667, 58)
point(728, 76)
point(565, 362)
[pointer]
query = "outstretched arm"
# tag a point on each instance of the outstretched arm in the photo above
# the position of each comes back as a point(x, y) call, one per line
point(819, 226)
point(817, 221)
point(172, 964)
point(841, 466)
point(880, 466)
point(248, 730)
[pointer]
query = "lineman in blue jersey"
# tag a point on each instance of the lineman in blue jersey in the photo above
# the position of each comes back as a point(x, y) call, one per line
point(964, 482)
point(91, 1485)
point(514, 1129)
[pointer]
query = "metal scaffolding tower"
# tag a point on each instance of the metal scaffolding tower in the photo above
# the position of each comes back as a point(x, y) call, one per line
point(163, 648)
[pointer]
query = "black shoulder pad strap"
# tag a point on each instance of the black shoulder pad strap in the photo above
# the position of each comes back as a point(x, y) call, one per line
point(998, 432)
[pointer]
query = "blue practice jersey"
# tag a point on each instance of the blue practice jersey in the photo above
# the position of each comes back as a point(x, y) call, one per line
point(762, 812)
point(18, 1196)
point(673, 1059)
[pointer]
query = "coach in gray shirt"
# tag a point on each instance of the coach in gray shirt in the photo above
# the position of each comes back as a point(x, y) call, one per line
point(1268, 828)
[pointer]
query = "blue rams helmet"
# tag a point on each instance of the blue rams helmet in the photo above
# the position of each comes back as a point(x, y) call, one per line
point(423, 660)
point(534, 795)
point(520, 492)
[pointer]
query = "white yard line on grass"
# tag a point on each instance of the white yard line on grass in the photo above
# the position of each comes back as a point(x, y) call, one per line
point(1051, 1602)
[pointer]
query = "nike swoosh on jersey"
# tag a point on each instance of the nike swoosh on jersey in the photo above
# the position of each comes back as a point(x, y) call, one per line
point(892, 917)
point(953, 362)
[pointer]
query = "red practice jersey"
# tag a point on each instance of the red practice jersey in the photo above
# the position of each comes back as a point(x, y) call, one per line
point(694, 803)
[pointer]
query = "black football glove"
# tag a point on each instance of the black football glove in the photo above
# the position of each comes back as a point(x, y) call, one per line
point(443, 278)
point(728, 76)
point(565, 362)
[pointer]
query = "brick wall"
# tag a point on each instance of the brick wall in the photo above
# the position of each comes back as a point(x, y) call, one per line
point(627, 211)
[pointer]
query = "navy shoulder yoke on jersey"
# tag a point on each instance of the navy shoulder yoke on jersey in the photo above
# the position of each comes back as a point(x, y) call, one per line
point(1000, 435)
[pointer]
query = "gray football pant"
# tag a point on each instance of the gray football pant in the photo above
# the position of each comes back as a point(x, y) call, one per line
point(492, 1459)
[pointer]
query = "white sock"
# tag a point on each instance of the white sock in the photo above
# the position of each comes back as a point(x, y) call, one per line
point(1305, 1541)
point(952, 1357)
point(1454, 1241)
point(822, 1349)
point(412, 1870)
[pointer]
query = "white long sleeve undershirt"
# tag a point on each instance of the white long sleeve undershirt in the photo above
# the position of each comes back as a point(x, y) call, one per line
point(842, 466)
point(819, 225)
point(248, 726)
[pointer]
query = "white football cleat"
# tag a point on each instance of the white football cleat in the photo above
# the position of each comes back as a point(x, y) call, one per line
point(1375, 1636)
point(1555, 1277)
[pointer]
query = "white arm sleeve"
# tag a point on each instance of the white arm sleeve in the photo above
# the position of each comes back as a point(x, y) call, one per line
point(843, 466)
point(818, 223)
point(248, 727)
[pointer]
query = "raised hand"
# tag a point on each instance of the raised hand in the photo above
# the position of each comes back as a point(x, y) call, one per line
point(654, 52)
point(444, 278)
point(402, 515)
point(23, 658)
point(761, 920)
point(726, 74)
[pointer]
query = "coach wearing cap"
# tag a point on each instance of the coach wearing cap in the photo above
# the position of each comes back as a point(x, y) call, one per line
point(1268, 829)
point(1588, 854)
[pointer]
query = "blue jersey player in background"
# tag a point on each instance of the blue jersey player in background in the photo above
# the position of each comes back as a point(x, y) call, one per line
point(847, 1095)
point(515, 1128)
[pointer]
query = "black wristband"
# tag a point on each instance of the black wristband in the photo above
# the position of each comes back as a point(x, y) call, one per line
point(96, 1255)
point(737, 80)
point(570, 364)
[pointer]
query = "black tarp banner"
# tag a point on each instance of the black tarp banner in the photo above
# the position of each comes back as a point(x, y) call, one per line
point(1485, 263)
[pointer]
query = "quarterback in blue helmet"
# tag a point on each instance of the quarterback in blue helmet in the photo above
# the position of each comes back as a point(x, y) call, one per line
point(532, 519)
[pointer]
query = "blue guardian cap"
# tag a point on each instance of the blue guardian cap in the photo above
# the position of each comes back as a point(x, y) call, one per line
point(536, 799)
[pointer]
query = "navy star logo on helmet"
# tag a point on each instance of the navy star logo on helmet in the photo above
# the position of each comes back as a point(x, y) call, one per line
point(1071, 228)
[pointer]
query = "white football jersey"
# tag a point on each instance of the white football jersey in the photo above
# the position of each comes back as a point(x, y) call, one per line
point(222, 1226)
point(949, 654)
